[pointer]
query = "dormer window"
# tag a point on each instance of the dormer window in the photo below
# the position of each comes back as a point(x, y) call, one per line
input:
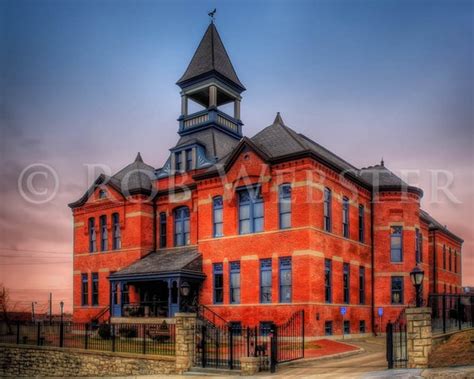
point(178, 161)
point(102, 194)
point(183, 160)
point(189, 159)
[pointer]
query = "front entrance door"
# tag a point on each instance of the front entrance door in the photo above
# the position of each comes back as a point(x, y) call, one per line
point(116, 309)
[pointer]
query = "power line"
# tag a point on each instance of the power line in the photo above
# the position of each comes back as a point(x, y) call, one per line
point(35, 251)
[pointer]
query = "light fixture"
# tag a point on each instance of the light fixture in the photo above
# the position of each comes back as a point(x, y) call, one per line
point(416, 276)
point(185, 289)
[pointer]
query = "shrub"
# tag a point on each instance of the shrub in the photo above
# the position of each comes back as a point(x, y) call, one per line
point(104, 331)
point(128, 331)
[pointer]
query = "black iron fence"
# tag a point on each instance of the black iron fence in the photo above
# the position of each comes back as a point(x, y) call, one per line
point(156, 339)
point(451, 312)
point(220, 344)
point(397, 356)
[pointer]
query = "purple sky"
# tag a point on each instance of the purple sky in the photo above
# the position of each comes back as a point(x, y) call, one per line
point(92, 82)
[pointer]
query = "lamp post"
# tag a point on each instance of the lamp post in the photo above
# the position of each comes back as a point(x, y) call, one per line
point(61, 304)
point(185, 290)
point(417, 275)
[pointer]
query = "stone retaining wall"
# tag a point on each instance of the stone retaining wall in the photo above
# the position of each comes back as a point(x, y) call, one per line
point(24, 360)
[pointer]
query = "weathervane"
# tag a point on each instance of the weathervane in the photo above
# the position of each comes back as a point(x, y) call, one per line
point(211, 15)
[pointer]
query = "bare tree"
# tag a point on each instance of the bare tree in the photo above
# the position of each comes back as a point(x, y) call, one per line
point(6, 306)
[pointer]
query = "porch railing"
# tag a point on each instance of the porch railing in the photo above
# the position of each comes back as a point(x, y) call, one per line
point(146, 309)
point(157, 339)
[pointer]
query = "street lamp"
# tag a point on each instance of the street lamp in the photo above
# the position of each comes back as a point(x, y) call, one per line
point(185, 289)
point(417, 275)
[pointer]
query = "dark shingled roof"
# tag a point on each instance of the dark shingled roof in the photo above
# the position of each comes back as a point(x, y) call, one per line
point(159, 262)
point(217, 143)
point(278, 140)
point(435, 225)
point(136, 178)
point(209, 57)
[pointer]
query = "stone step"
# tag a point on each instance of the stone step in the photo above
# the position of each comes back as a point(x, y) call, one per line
point(212, 371)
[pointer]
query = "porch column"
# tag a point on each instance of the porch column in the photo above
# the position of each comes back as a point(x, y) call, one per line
point(212, 96)
point(185, 329)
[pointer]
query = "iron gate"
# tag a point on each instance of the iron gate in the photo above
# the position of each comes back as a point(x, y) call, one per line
point(220, 344)
point(397, 356)
point(287, 342)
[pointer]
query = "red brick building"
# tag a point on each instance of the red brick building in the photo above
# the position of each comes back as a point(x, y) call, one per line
point(254, 228)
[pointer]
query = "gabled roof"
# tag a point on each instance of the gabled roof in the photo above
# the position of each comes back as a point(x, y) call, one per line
point(211, 57)
point(433, 224)
point(135, 178)
point(185, 259)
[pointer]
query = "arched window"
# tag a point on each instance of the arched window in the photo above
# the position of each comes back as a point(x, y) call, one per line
point(250, 210)
point(162, 229)
point(285, 206)
point(181, 226)
point(102, 194)
point(92, 236)
point(217, 216)
point(117, 243)
point(103, 233)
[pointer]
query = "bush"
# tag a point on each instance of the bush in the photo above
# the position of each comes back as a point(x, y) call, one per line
point(128, 332)
point(104, 331)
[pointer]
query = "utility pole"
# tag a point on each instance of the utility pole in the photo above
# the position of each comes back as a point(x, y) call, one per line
point(50, 308)
point(33, 310)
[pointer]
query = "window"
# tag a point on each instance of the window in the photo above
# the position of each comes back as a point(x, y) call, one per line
point(250, 210)
point(85, 290)
point(362, 326)
point(125, 294)
point(328, 328)
point(265, 327)
point(103, 233)
point(397, 290)
point(181, 226)
point(455, 262)
point(178, 157)
point(396, 253)
point(102, 194)
point(450, 259)
point(327, 209)
point(345, 217)
point(189, 159)
point(163, 229)
point(116, 243)
point(234, 282)
point(95, 288)
point(444, 287)
point(235, 328)
point(218, 283)
point(92, 236)
point(444, 257)
point(361, 285)
point(285, 280)
point(418, 246)
point(346, 273)
point(217, 216)
point(285, 206)
point(328, 280)
point(347, 327)
point(361, 223)
point(266, 281)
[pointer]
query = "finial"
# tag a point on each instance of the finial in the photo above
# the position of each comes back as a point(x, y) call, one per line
point(382, 163)
point(139, 158)
point(212, 14)
point(278, 119)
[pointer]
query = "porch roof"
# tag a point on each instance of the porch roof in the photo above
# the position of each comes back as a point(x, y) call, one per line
point(186, 261)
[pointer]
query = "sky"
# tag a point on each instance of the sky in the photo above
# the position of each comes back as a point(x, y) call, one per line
point(93, 82)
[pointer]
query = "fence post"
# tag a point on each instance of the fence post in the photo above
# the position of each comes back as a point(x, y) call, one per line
point(390, 345)
point(61, 334)
point(18, 332)
point(185, 330)
point(459, 314)
point(144, 338)
point(419, 337)
point(472, 311)
point(38, 337)
point(86, 336)
point(444, 314)
point(248, 341)
point(113, 337)
point(203, 346)
point(302, 332)
point(231, 348)
point(273, 348)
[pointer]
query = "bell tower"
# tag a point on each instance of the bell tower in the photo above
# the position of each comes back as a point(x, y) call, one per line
point(210, 81)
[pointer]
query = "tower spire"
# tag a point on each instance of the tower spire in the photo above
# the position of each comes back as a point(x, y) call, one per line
point(212, 15)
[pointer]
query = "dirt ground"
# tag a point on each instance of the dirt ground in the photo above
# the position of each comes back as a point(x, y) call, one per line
point(458, 350)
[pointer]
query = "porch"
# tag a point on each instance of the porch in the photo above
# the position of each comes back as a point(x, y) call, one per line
point(157, 286)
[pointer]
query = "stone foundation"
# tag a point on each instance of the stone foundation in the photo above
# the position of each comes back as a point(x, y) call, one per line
point(31, 361)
